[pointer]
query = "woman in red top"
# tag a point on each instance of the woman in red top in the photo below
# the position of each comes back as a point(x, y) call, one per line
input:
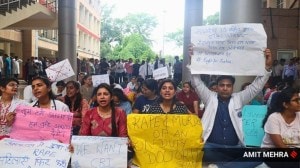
point(189, 97)
point(105, 119)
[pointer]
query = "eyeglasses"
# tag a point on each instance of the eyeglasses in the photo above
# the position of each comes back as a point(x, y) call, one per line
point(13, 85)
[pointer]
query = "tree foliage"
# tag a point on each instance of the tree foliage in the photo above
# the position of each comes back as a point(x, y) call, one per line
point(127, 37)
point(176, 37)
point(212, 19)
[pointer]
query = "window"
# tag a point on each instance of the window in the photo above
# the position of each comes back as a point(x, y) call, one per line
point(280, 3)
point(286, 54)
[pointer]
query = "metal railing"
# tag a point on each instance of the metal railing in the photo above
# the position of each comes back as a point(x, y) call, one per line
point(9, 5)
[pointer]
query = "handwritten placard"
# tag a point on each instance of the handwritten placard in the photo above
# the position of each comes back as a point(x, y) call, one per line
point(166, 140)
point(98, 79)
point(60, 71)
point(96, 151)
point(234, 49)
point(253, 116)
point(160, 73)
point(41, 124)
point(16, 154)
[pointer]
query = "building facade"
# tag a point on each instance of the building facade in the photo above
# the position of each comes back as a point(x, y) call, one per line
point(29, 29)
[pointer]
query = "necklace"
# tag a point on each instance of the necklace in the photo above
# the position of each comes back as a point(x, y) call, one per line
point(103, 114)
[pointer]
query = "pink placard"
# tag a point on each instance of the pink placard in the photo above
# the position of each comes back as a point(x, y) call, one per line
point(33, 123)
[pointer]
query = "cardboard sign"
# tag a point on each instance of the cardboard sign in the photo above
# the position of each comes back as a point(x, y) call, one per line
point(98, 79)
point(33, 123)
point(60, 71)
point(160, 73)
point(234, 49)
point(96, 151)
point(166, 140)
point(253, 116)
point(16, 154)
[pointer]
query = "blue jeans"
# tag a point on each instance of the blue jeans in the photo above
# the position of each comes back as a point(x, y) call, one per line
point(227, 157)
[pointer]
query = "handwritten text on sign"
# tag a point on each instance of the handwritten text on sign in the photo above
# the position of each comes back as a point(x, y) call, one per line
point(160, 73)
point(235, 49)
point(253, 116)
point(96, 151)
point(98, 79)
point(16, 154)
point(41, 124)
point(60, 71)
point(166, 140)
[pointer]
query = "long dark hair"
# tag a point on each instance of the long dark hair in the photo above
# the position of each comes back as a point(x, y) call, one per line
point(84, 78)
point(120, 94)
point(78, 99)
point(114, 131)
point(174, 100)
point(284, 96)
point(47, 83)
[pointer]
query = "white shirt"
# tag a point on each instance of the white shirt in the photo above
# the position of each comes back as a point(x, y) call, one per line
point(55, 105)
point(16, 66)
point(290, 133)
point(143, 70)
point(27, 94)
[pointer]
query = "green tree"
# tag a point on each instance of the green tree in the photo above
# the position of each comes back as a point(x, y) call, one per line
point(176, 37)
point(140, 23)
point(134, 46)
point(212, 19)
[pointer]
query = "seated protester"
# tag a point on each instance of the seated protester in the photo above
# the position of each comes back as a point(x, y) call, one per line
point(8, 103)
point(124, 82)
point(166, 102)
point(87, 88)
point(121, 100)
point(41, 89)
point(133, 85)
point(149, 96)
point(282, 125)
point(77, 105)
point(59, 90)
point(222, 119)
point(105, 119)
point(189, 98)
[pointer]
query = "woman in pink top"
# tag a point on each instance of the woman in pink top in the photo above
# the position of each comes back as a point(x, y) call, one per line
point(105, 119)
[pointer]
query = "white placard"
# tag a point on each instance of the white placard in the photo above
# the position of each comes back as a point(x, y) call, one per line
point(96, 151)
point(98, 79)
point(60, 71)
point(160, 73)
point(234, 49)
point(16, 154)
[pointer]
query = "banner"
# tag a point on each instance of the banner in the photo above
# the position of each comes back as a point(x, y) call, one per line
point(253, 116)
point(162, 141)
point(17, 154)
point(96, 151)
point(160, 73)
point(33, 123)
point(98, 79)
point(234, 49)
point(60, 71)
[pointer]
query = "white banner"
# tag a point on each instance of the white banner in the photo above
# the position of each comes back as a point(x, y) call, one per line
point(96, 151)
point(16, 154)
point(234, 49)
point(160, 73)
point(98, 79)
point(60, 71)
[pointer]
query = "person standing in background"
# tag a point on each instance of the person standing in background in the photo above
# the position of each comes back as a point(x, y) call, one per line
point(177, 71)
point(16, 66)
point(7, 65)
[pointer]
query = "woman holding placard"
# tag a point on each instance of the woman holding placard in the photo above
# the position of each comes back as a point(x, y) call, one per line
point(8, 103)
point(76, 103)
point(282, 125)
point(41, 89)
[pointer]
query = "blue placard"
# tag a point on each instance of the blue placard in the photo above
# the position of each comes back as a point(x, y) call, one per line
point(253, 116)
